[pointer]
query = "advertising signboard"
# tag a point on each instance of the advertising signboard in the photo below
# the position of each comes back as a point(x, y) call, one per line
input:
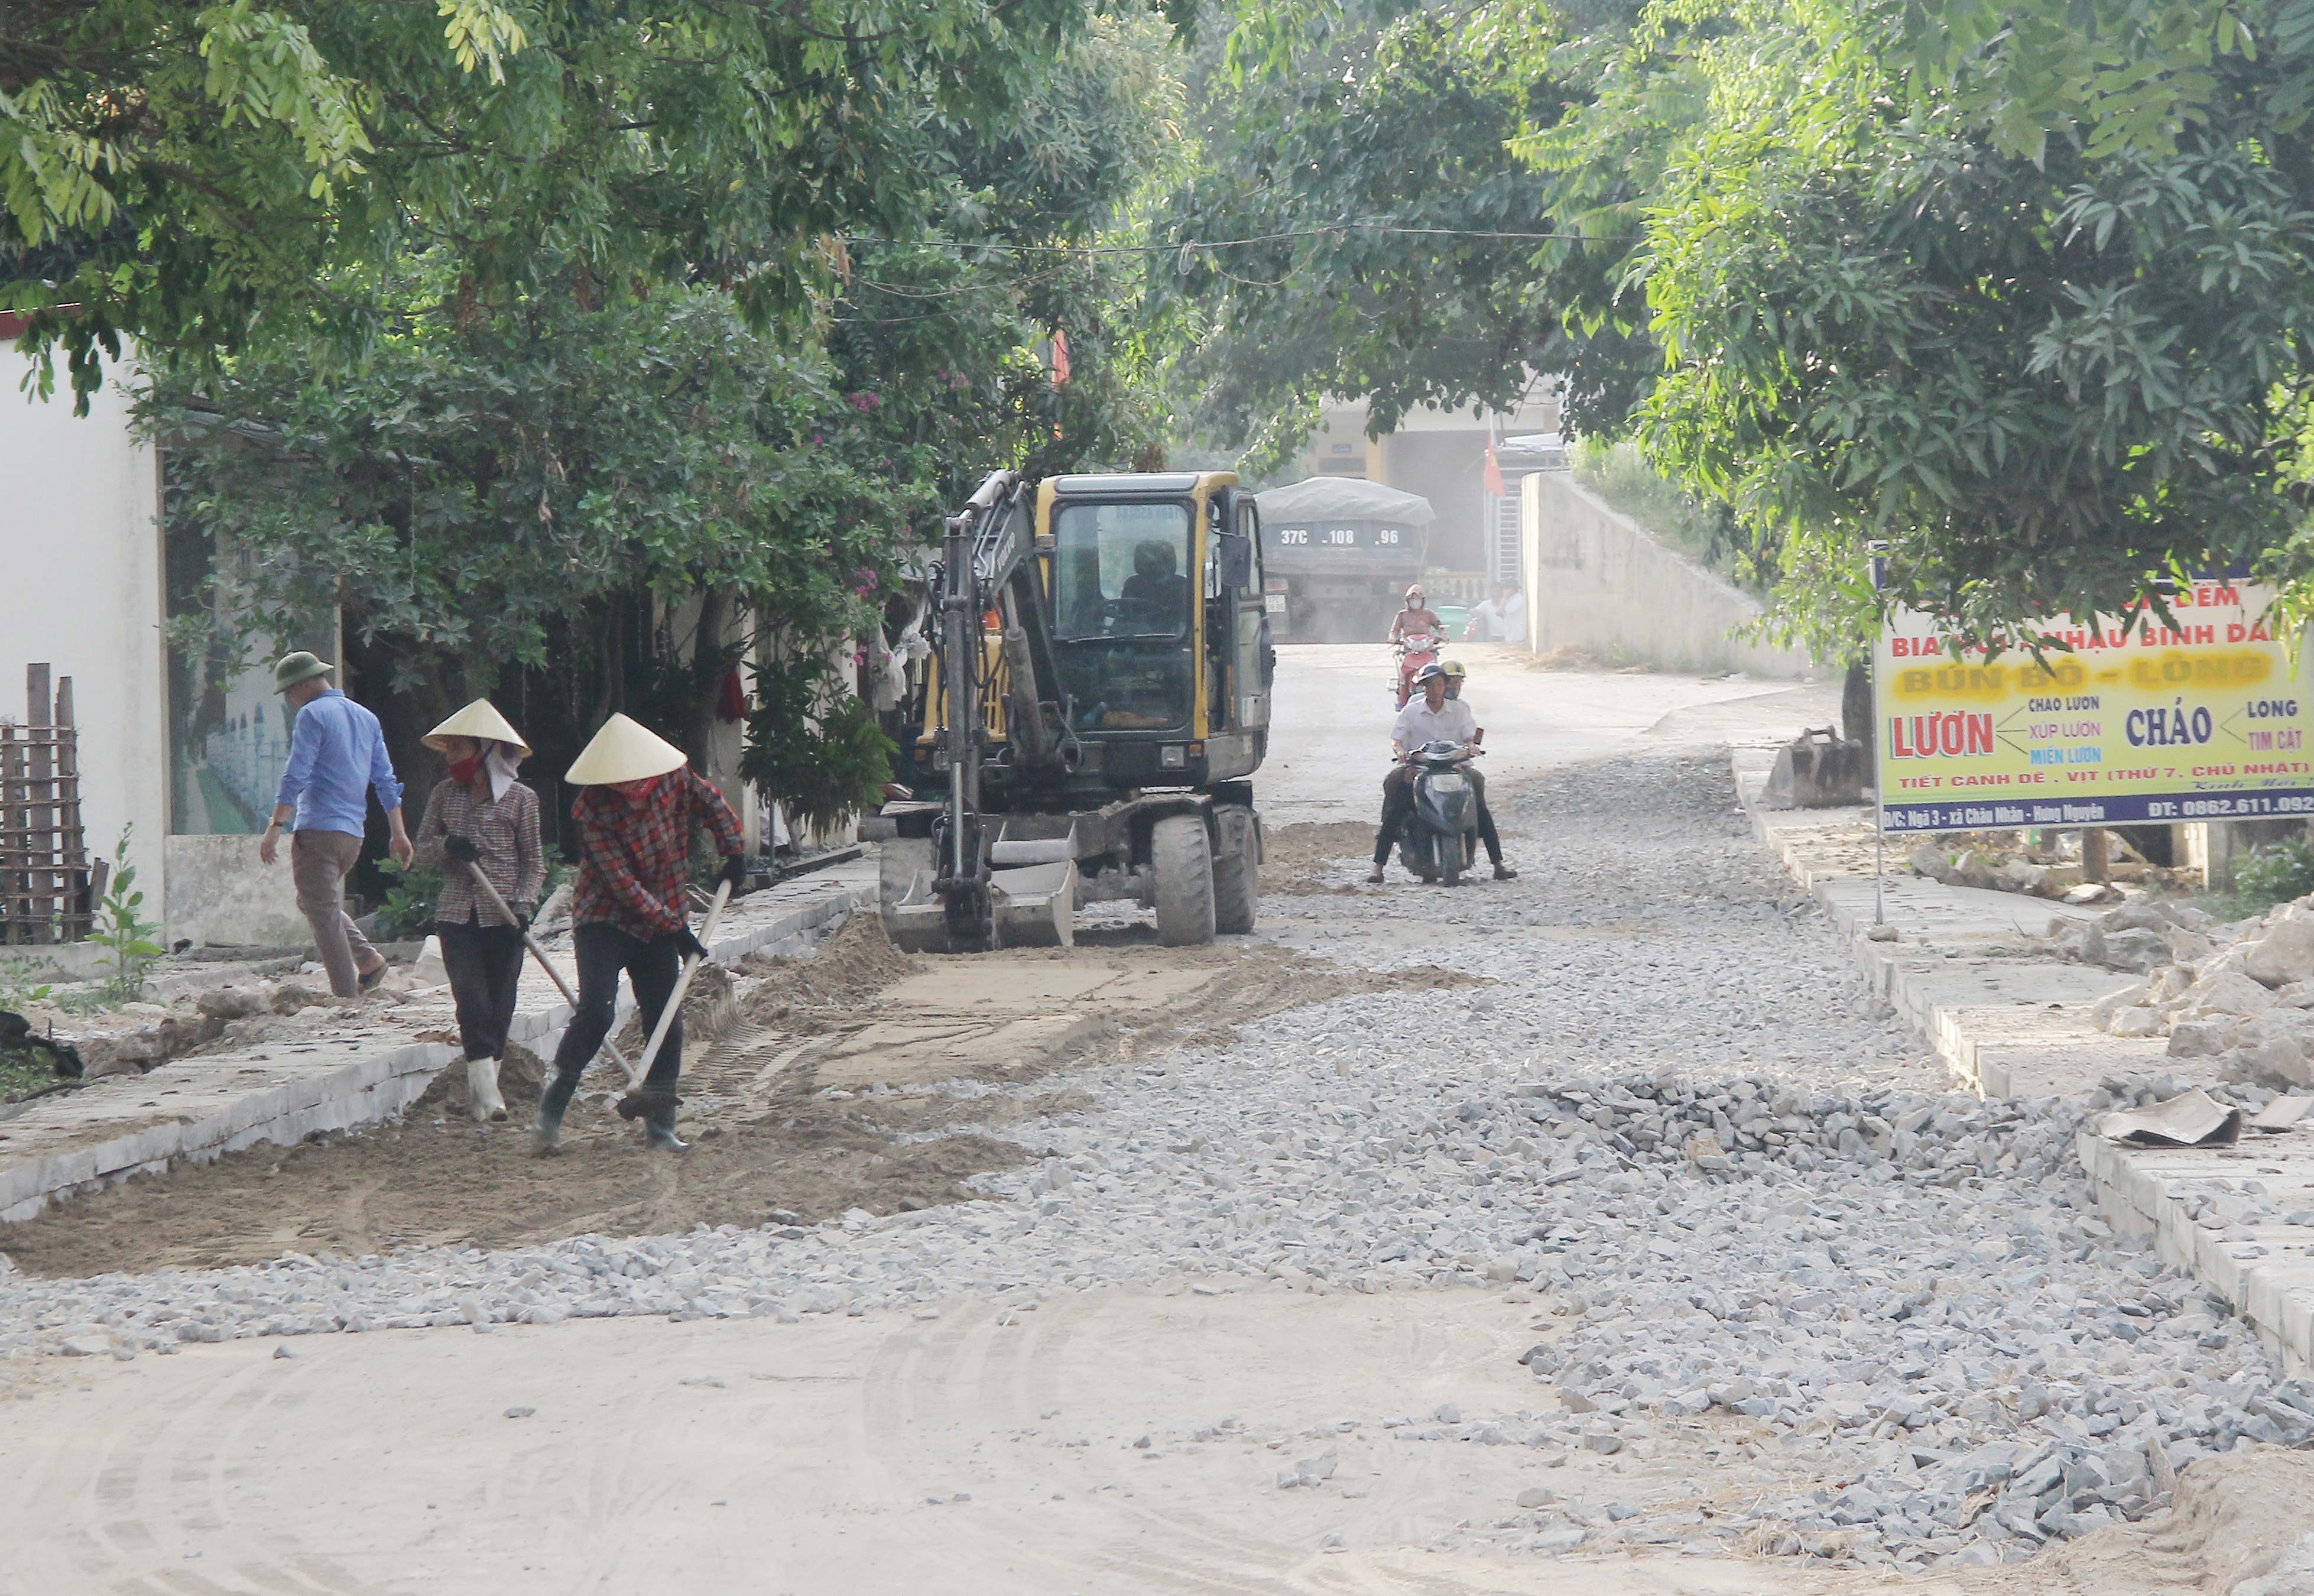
point(2203, 720)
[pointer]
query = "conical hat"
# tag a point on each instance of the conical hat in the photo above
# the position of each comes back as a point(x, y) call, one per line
point(481, 720)
point(623, 751)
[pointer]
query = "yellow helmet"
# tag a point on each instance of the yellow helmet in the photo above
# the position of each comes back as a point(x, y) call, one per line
point(1454, 669)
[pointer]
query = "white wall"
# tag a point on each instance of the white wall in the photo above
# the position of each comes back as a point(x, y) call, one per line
point(80, 547)
point(1597, 578)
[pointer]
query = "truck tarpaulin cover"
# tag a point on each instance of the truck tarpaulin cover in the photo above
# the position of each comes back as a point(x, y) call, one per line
point(1342, 498)
point(2202, 720)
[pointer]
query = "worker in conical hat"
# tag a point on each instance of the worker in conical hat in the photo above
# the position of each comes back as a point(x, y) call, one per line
point(482, 818)
point(628, 909)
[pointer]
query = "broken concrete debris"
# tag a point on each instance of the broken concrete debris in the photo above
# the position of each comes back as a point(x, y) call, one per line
point(2005, 861)
point(2244, 1000)
point(2190, 1119)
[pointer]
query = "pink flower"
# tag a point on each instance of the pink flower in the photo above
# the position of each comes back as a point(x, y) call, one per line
point(863, 402)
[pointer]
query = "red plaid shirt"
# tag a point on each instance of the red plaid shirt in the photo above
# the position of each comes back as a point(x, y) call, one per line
point(634, 860)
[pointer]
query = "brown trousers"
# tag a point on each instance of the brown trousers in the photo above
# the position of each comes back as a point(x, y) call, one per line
point(319, 863)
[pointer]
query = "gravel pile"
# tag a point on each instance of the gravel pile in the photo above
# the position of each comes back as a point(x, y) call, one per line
point(1983, 1359)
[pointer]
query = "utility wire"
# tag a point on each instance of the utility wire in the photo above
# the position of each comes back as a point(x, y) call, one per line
point(1190, 246)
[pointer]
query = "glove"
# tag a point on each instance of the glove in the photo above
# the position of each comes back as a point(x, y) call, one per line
point(689, 946)
point(735, 870)
point(462, 849)
point(522, 922)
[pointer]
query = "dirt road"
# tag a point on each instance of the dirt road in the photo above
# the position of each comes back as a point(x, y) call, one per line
point(1334, 705)
point(1198, 1271)
point(780, 1131)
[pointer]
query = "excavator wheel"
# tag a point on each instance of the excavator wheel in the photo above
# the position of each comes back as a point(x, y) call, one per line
point(1183, 858)
point(1237, 870)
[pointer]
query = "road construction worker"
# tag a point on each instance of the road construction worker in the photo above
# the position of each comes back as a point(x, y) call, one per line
point(1417, 616)
point(1432, 718)
point(628, 908)
point(483, 819)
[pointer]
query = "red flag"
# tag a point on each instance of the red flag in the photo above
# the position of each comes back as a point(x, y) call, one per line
point(731, 698)
point(1060, 357)
point(1494, 472)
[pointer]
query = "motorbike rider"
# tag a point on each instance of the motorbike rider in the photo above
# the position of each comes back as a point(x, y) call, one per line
point(1435, 718)
point(1455, 675)
point(1417, 616)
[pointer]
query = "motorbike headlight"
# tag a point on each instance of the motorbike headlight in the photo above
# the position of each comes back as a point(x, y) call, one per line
point(1448, 783)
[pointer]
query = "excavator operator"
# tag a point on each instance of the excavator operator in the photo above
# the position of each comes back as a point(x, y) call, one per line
point(1156, 596)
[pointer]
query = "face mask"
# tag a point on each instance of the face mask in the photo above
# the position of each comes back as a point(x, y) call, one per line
point(463, 769)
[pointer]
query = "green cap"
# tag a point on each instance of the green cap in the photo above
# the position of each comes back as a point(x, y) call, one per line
point(300, 666)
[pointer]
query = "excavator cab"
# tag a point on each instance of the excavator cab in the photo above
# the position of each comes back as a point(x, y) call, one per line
point(1158, 633)
point(1098, 700)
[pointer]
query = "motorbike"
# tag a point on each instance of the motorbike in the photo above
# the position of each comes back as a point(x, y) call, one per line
point(1439, 838)
point(1415, 650)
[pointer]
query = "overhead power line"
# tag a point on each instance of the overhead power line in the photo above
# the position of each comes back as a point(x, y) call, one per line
point(1190, 247)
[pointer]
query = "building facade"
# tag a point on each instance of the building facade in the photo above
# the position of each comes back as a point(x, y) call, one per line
point(1443, 456)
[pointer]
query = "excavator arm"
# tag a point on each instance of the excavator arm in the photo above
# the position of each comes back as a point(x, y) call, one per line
point(988, 565)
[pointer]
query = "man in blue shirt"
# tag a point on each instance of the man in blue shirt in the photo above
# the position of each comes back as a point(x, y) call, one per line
point(337, 754)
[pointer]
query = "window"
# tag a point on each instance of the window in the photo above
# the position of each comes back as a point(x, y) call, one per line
point(1123, 589)
point(1122, 570)
point(1214, 529)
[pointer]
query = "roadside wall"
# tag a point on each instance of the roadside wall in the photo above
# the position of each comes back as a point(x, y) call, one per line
point(221, 897)
point(80, 588)
point(1596, 579)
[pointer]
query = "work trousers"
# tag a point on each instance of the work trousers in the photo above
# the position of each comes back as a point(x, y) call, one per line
point(485, 966)
point(603, 950)
point(319, 863)
point(1398, 802)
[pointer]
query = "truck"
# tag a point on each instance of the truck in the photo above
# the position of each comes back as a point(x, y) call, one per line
point(1342, 553)
point(1095, 705)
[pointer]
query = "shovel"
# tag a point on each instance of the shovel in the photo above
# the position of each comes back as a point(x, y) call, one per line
point(531, 943)
point(631, 1104)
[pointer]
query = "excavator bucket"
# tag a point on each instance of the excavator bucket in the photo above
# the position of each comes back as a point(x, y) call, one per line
point(1035, 906)
point(1032, 896)
point(914, 917)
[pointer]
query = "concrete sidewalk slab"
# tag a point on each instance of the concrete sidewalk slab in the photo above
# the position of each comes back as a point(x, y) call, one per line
point(1968, 966)
point(2264, 1267)
point(357, 1069)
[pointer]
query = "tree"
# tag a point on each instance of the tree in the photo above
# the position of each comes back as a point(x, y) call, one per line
point(1446, 202)
point(561, 501)
point(1033, 240)
point(2048, 383)
point(569, 497)
point(174, 170)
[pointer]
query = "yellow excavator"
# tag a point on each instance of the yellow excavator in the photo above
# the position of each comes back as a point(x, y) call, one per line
point(1097, 699)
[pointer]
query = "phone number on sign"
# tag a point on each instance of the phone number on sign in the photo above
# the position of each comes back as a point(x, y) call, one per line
point(2220, 808)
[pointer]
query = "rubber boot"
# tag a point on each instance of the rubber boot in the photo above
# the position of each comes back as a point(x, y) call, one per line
point(546, 1131)
point(483, 1100)
point(659, 1120)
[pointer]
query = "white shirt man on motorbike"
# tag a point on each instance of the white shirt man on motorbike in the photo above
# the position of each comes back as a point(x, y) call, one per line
point(1418, 723)
point(1431, 719)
